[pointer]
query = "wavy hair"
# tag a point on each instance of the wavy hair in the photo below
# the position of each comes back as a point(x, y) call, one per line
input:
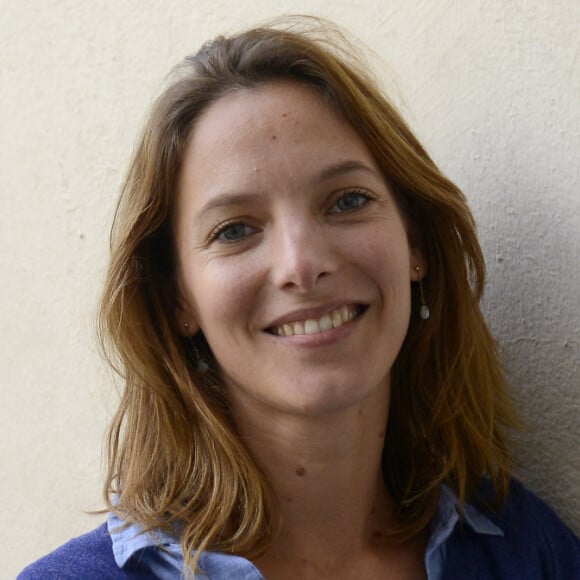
point(173, 454)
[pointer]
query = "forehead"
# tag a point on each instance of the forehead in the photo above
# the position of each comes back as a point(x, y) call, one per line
point(274, 105)
point(273, 139)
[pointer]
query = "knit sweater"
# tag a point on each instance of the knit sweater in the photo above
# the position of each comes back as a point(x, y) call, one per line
point(531, 544)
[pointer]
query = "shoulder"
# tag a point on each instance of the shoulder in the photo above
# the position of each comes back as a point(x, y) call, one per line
point(535, 542)
point(525, 518)
point(87, 557)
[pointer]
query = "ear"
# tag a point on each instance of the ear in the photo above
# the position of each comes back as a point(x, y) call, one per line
point(184, 315)
point(417, 264)
point(186, 322)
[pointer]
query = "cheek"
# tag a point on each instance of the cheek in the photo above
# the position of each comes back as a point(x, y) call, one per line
point(222, 294)
point(386, 261)
point(386, 256)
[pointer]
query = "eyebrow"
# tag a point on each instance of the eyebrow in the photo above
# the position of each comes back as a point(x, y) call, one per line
point(344, 167)
point(330, 172)
point(228, 199)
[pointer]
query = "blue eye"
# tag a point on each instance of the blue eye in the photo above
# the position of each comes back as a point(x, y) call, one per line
point(350, 201)
point(233, 232)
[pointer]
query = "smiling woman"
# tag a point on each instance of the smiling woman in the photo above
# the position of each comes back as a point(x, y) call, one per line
point(311, 390)
point(319, 237)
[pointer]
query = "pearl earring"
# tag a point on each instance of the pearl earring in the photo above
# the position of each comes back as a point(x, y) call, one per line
point(201, 365)
point(424, 312)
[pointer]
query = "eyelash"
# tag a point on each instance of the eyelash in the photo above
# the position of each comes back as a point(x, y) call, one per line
point(217, 233)
point(222, 228)
point(361, 193)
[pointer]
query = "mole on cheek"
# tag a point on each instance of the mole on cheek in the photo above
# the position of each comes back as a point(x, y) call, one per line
point(300, 471)
point(274, 137)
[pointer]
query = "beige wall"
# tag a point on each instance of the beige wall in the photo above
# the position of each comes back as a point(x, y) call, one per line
point(490, 86)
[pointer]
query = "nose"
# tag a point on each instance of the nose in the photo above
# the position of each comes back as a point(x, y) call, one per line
point(303, 255)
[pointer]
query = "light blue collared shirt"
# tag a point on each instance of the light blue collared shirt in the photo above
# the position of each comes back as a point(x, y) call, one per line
point(160, 553)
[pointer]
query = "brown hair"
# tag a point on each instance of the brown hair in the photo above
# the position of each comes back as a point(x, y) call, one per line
point(173, 452)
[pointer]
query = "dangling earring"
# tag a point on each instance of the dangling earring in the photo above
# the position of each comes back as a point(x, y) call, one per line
point(201, 365)
point(424, 312)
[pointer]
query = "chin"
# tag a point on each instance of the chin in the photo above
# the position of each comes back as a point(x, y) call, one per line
point(334, 398)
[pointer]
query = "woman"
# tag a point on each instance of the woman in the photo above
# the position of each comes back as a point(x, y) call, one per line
point(293, 301)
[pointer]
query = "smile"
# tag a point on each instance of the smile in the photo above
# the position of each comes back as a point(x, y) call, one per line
point(332, 319)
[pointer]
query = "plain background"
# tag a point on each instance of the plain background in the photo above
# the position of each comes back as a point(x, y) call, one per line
point(490, 86)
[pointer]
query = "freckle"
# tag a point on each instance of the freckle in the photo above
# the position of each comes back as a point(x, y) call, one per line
point(359, 412)
point(274, 137)
point(300, 471)
point(284, 114)
point(381, 434)
point(289, 499)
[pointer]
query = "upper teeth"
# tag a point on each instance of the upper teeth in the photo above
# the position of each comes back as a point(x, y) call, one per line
point(333, 319)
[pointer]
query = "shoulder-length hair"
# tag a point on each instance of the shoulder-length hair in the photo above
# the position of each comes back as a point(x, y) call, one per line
point(174, 456)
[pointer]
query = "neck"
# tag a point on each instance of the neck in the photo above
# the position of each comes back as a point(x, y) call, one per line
point(326, 473)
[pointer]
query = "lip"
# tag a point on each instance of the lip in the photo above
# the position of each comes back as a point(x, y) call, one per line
point(321, 339)
point(311, 313)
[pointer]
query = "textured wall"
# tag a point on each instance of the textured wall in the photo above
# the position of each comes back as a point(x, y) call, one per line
point(491, 88)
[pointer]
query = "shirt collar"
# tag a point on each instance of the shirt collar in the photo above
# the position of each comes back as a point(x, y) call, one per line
point(130, 539)
point(449, 508)
point(446, 518)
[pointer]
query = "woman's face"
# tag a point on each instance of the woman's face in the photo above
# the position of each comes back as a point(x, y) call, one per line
point(293, 256)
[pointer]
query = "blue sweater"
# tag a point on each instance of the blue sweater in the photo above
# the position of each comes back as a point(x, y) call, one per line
point(524, 541)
